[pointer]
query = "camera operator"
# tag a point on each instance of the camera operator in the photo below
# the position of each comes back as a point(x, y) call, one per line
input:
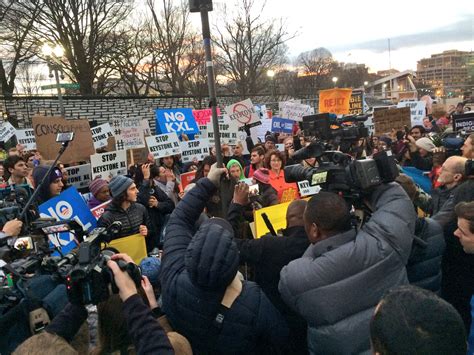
point(17, 169)
point(419, 152)
point(343, 262)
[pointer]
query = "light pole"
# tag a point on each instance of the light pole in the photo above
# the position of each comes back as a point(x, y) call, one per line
point(52, 55)
point(271, 76)
point(384, 91)
point(334, 80)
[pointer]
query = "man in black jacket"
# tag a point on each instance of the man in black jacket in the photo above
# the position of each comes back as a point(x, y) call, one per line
point(269, 254)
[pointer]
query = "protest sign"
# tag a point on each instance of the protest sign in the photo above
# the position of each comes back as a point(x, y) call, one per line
point(108, 165)
point(277, 216)
point(186, 179)
point(128, 133)
point(306, 189)
point(396, 118)
point(178, 120)
point(68, 205)
point(137, 156)
point(146, 127)
point(464, 122)
point(46, 129)
point(282, 125)
point(417, 111)
point(99, 210)
point(243, 113)
point(356, 103)
point(163, 145)
point(203, 117)
point(194, 150)
point(101, 134)
point(227, 130)
point(26, 137)
point(280, 147)
point(293, 110)
point(6, 131)
point(133, 245)
point(79, 176)
point(335, 101)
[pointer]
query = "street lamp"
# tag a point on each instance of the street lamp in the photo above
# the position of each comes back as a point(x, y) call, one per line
point(366, 83)
point(334, 80)
point(52, 55)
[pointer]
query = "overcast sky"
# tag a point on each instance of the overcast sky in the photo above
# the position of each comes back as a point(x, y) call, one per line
point(358, 30)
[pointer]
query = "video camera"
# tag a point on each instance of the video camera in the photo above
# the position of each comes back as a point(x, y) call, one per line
point(327, 126)
point(13, 199)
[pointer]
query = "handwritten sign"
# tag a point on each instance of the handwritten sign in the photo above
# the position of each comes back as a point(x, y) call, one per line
point(203, 117)
point(335, 101)
point(293, 110)
point(128, 133)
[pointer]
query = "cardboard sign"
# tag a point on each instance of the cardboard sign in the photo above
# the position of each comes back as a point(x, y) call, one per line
point(464, 122)
point(137, 156)
point(243, 113)
point(417, 111)
point(128, 133)
point(101, 134)
point(26, 137)
point(191, 150)
point(203, 117)
point(397, 118)
point(99, 210)
point(46, 129)
point(282, 125)
point(356, 103)
point(79, 176)
point(68, 205)
point(293, 110)
point(163, 145)
point(306, 189)
point(6, 131)
point(133, 245)
point(186, 178)
point(335, 101)
point(108, 165)
point(227, 130)
point(178, 120)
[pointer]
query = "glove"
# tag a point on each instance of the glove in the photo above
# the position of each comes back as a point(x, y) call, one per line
point(215, 174)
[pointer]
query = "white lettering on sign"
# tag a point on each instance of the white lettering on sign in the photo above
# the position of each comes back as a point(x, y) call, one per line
point(306, 189)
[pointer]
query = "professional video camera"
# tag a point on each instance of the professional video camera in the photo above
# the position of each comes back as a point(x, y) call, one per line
point(88, 281)
point(13, 199)
point(327, 126)
point(452, 141)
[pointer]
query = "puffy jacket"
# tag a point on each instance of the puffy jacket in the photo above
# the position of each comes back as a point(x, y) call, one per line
point(338, 282)
point(250, 323)
point(131, 219)
point(424, 264)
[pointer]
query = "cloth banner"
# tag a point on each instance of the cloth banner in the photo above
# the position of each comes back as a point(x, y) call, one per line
point(335, 101)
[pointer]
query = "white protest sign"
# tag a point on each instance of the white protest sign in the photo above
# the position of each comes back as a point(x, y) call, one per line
point(128, 133)
point(243, 113)
point(306, 189)
point(108, 165)
point(146, 127)
point(6, 131)
point(79, 176)
point(163, 145)
point(26, 137)
point(100, 134)
point(293, 110)
point(262, 130)
point(196, 149)
point(417, 111)
point(227, 130)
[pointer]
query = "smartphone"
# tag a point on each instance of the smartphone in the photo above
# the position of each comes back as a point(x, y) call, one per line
point(254, 190)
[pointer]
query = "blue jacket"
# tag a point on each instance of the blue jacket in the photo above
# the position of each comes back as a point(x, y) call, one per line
point(251, 324)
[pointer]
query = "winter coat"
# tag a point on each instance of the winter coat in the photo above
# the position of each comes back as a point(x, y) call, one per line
point(131, 219)
point(424, 264)
point(338, 282)
point(249, 324)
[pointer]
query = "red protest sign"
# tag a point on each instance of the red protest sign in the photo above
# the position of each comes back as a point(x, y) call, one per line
point(203, 117)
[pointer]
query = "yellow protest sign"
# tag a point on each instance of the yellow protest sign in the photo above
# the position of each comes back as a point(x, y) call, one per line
point(133, 245)
point(335, 101)
point(277, 216)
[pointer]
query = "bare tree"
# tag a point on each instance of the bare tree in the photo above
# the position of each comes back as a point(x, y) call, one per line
point(316, 65)
point(29, 78)
point(248, 46)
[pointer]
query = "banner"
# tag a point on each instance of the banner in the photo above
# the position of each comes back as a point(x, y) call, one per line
point(282, 125)
point(417, 111)
point(101, 134)
point(108, 165)
point(178, 120)
point(128, 133)
point(26, 137)
point(68, 205)
point(133, 245)
point(6, 131)
point(227, 130)
point(396, 118)
point(79, 176)
point(203, 117)
point(335, 101)
point(99, 210)
point(191, 150)
point(306, 189)
point(46, 129)
point(163, 145)
point(356, 103)
point(186, 179)
point(464, 122)
point(243, 113)
point(293, 110)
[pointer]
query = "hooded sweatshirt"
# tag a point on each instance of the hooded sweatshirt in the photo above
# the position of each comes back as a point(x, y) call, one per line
point(233, 162)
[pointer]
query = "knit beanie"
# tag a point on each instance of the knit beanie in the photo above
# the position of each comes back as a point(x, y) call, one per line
point(262, 175)
point(233, 162)
point(271, 138)
point(386, 140)
point(96, 185)
point(151, 268)
point(425, 143)
point(119, 184)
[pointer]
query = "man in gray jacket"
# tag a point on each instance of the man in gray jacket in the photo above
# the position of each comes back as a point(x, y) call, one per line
point(340, 279)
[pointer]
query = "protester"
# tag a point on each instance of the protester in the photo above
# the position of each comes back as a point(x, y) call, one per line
point(417, 132)
point(468, 147)
point(267, 195)
point(257, 157)
point(270, 142)
point(236, 172)
point(410, 320)
point(239, 154)
point(17, 170)
point(202, 295)
point(166, 181)
point(342, 262)
point(419, 152)
point(100, 191)
point(465, 230)
point(170, 163)
point(53, 185)
point(275, 162)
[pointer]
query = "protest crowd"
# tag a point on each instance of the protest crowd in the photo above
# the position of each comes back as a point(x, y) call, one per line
point(240, 258)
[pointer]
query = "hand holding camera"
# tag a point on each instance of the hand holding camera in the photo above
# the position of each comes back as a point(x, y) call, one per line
point(125, 272)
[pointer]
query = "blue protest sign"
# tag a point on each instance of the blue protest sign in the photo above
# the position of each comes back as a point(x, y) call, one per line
point(68, 205)
point(282, 125)
point(179, 120)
